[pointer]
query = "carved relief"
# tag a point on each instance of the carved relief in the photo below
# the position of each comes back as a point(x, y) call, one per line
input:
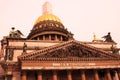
point(71, 51)
point(58, 53)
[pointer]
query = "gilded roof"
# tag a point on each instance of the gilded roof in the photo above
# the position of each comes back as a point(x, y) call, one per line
point(46, 17)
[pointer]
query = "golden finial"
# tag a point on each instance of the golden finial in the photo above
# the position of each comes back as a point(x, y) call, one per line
point(47, 8)
point(94, 37)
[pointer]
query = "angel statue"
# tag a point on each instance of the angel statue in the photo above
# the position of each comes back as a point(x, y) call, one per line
point(108, 38)
point(15, 34)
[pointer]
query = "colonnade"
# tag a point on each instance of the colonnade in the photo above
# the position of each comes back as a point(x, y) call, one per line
point(54, 37)
point(69, 75)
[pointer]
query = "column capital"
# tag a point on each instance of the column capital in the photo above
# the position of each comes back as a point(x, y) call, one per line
point(39, 71)
point(82, 71)
point(23, 72)
point(55, 71)
point(68, 71)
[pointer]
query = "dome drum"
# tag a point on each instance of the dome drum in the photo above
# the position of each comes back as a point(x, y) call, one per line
point(50, 37)
point(49, 30)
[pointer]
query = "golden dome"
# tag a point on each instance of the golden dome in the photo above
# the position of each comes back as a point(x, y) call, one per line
point(49, 24)
point(46, 17)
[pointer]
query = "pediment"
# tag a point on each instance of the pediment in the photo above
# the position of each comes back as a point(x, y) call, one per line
point(70, 49)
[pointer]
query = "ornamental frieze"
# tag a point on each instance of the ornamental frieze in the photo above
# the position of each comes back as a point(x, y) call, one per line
point(71, 51)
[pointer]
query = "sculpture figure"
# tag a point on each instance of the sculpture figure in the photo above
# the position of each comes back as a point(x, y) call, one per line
point(108, 38)
point(15, 34)
point(24, 48)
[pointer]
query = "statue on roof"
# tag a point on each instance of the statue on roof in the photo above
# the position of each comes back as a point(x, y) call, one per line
point(18, 33)
point(15, 34)
point(108, 38)
point(24, 48)
point(12, 32)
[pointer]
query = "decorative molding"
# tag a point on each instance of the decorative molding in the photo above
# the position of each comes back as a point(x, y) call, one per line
point(70, 51)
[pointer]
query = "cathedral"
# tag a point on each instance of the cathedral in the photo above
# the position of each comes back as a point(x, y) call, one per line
point(50, 52)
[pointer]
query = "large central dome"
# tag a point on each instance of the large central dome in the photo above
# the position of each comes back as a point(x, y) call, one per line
point(47, 14)
point(49, 27)
point(46, 17)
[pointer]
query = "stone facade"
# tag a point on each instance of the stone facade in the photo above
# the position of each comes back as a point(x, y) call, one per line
point(50, 52)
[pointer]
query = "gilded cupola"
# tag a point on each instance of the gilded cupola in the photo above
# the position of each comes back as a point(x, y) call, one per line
point(49, 27)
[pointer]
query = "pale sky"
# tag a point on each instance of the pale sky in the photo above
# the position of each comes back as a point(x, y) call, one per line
point(81, 17)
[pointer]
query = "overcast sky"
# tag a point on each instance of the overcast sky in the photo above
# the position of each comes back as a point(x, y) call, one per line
point(81, 17)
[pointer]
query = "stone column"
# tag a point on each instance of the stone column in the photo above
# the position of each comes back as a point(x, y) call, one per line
point(108, 75)
point(39, 75)
point(118, 74)
point(96, 75)
point(49, 37)
point(16, 76)
point(61, 38)
point(38, 38)
point(43, 37)
point(56, 38)
point(83, 75)
point(69, 76)
point(54, 75)
point(24, 76)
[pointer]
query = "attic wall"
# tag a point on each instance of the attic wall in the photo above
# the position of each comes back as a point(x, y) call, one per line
point(17, 46)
